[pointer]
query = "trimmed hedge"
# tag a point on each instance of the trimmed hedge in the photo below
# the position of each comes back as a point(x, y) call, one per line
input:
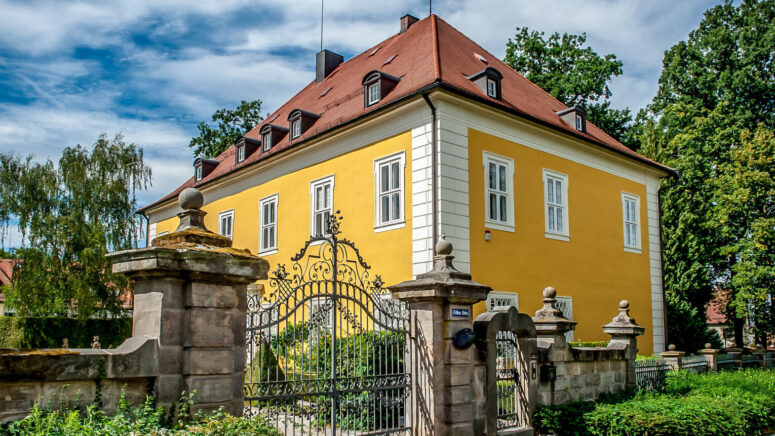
point(32, 333)
point(728, 403)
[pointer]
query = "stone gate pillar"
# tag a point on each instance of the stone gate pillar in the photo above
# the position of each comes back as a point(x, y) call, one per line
point(440, 302)
point(190, 295)
point(624, 333)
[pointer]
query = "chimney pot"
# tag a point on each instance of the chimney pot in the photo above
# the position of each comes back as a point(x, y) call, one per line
point(326, 62)
point(406, 21)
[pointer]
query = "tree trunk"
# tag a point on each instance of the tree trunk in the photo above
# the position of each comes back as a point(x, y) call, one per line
point(739, 324)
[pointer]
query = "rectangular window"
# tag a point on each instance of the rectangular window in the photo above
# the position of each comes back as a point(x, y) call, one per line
point(241, 153)
point(268, 235)
point(556, 199)
point(373, 93)
point(267, 140)
point(226, 223)
point(499, 191)
point(579, 123)
point(495, 299)
point(492, 88)
point(322, 197)
point(630, 215)
point(296, 128)
point(389, 182)
point(198, 173)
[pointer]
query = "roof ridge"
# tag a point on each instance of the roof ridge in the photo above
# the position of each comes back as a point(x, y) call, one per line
point(436, 61)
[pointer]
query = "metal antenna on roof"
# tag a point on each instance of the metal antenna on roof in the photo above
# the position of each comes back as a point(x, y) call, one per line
point(321, 25)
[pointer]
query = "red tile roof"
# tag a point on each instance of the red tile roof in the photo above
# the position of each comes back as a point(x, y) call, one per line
point(6, 271)
point(430, 53)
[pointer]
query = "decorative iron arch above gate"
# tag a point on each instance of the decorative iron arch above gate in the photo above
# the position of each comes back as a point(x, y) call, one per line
point(327, 346)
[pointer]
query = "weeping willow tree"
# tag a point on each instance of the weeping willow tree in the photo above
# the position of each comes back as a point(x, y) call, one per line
point(71, 214)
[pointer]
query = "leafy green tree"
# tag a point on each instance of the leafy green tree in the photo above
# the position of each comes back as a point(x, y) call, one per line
point(72, 214)
point(228, 126)
point(744, 211)
point(573, 74)
point(715, 88)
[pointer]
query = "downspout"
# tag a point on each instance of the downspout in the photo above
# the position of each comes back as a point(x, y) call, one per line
point(434, 187)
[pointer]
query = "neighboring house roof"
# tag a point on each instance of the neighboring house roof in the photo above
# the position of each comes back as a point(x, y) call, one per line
point(430, 54)
point(6, 271)
point(714, 315)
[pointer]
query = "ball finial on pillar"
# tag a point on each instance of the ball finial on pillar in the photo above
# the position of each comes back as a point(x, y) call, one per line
point(191, 198)
point(443, 247)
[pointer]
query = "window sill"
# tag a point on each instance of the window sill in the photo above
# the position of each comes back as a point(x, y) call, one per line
point(389, 226)
point(633, 250)
point(499, 226)
point(268, 252)
point(557, 236)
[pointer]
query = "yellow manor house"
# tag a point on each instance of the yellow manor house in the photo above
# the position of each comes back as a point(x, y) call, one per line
point(426, 134)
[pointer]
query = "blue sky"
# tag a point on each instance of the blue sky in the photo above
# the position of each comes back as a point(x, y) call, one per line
point(151, 70)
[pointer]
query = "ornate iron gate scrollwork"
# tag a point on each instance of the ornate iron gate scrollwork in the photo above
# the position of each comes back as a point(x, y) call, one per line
point(327, 347)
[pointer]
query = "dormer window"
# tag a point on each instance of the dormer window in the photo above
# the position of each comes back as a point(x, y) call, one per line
point(489, 81)
point(492, 88)
point(241, 153)
point(203, 167)
point(271, 135)
point(296, 128)
point(576, 117)
point(373, 94)
point(301, 121)
point(376, 85)
point(245, 147)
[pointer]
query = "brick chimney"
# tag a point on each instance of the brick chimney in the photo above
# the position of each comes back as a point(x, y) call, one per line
point(406, 21)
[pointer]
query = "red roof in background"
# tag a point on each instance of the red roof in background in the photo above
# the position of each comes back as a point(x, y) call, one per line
point(430, 52)
point(6, 271)
point(714, 315)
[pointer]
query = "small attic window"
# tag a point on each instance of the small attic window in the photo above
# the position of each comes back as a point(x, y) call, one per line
point(272, 134)
point(489, 81)
point(300, 121)
point(241, 153)
point(198, 172)
point(203, 167)
point(576, 117)
point(376, 85)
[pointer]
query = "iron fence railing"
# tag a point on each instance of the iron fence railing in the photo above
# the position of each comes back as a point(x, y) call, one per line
point(650, 374)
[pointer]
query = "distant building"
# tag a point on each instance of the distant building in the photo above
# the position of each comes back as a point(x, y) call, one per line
point(6, 271)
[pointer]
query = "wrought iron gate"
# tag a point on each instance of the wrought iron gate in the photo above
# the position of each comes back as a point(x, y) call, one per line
point(327, 347)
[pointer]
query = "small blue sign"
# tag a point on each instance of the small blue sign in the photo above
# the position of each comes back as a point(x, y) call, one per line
point(463, 313)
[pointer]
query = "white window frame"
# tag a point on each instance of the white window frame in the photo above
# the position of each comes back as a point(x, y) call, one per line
point(494, 84)
point(265, 251)
point(564, 234)
point(296, 128)
point(313, 185)
point(241, 153)
point(379, 225)
point(579, 123)
point(198, 171)
point(373, 97)
point(636, 247)
point(266, 141)
point(163, 234)
point(510, 298)
point(567, 303)
point(488, 158)
point(221, 216)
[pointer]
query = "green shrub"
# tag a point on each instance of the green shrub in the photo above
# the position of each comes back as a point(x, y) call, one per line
point(583, 344)
point(32, 333)
point(728, 403)
point(144, 420)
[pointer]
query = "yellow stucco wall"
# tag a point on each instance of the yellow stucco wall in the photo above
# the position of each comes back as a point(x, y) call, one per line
point(592, 267)
point(388, 252)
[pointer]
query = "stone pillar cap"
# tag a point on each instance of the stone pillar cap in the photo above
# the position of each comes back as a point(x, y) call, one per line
point(549, 319)
point(623, 324)
point(443, 281)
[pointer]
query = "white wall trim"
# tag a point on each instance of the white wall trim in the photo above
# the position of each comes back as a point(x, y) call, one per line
point(422, 210)
point(658, 318)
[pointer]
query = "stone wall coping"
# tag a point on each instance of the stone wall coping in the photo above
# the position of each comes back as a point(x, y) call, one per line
point(672, 354)
point(223, 266)
point(136, 357)
point(709, 351)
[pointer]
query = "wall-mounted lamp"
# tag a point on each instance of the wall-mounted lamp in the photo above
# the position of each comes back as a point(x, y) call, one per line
point(487, 235)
